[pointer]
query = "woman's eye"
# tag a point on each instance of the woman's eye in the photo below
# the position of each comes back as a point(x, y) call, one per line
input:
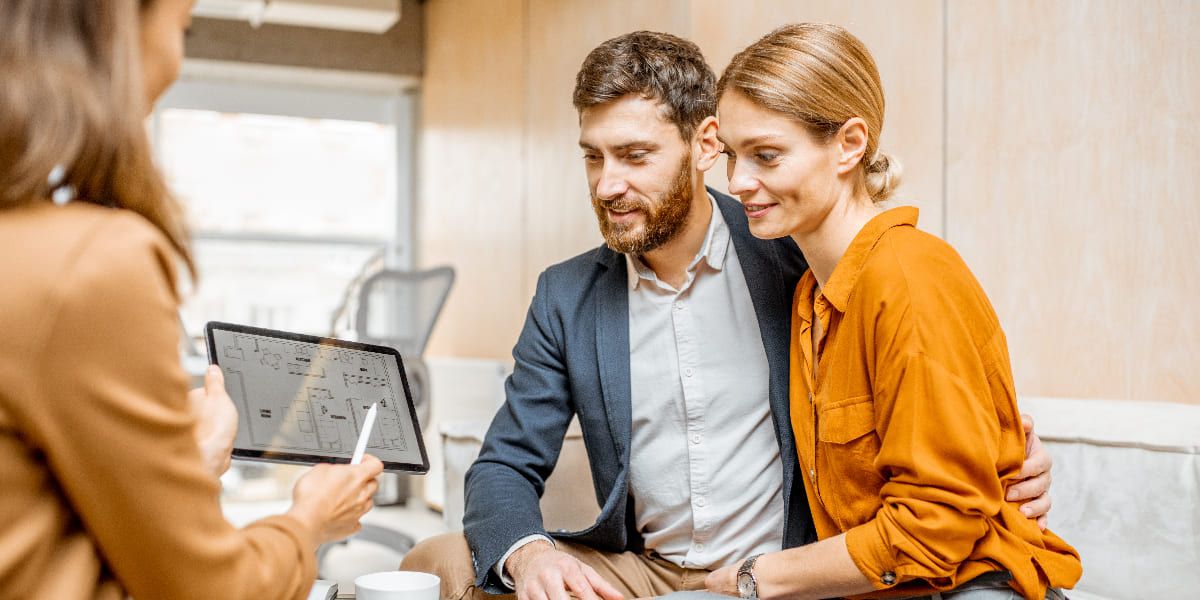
point(766, 157)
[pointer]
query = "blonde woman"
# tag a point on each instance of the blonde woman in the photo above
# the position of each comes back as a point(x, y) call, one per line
point(105, 490)
point(902, 398)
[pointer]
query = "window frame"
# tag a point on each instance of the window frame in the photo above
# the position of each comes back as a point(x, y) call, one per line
point(315, 94)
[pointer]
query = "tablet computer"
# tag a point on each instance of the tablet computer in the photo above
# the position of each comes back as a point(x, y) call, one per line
point(303, 399)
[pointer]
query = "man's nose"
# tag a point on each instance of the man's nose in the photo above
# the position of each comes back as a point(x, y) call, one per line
point(612, 183)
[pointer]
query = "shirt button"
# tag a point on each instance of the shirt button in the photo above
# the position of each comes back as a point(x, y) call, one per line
point(701, 501)
point(688, 371)
point(678, 306)
point(888, 578)
point(699, 547)
point(696, 438)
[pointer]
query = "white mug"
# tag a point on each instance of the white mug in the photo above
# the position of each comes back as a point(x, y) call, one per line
point(397, 585)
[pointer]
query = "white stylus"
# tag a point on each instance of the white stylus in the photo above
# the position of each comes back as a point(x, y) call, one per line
point(368, 425)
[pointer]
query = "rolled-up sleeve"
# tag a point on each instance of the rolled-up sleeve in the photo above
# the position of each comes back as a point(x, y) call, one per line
point(940, 446)
point(916, 425)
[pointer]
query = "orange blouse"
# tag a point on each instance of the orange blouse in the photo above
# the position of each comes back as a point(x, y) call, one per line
point(909, 432)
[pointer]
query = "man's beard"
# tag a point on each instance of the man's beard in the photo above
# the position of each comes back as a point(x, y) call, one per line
point(661, 219)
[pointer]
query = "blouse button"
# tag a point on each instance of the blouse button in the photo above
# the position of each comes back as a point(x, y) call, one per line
point(888, 578)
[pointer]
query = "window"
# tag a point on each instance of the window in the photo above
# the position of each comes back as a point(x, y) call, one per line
point(290, 194)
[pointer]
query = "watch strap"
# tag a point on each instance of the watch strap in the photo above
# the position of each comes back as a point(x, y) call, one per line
point(747, 569)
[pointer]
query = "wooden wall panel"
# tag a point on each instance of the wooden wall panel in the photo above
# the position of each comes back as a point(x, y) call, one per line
point(1072, 145)
point(1060, 139)
point(905, 38)
point(470, 194)
point(1161, 63)
point(559, 218)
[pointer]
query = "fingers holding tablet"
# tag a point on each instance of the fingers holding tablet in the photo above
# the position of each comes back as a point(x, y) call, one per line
point(216, 420)
point(331, 499)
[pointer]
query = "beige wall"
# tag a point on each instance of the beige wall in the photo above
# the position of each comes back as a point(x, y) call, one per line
point(1052, 143)
point(1074, 191)
point(471, 171)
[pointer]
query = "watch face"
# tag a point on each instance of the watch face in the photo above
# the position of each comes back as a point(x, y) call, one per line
point(745, 585)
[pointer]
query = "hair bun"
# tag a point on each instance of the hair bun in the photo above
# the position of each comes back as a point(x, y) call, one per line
point(884, 174)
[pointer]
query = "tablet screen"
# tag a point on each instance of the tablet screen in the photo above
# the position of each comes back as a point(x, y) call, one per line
point(304, 399)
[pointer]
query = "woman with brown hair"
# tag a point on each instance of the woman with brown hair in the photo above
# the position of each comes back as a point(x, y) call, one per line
point(902, 398)
point(108, 469)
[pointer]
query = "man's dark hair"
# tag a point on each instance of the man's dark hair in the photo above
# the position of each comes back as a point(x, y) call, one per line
point(658, 66)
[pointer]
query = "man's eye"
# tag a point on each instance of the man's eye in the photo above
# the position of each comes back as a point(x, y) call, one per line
point(636, 156)
point(591, 158)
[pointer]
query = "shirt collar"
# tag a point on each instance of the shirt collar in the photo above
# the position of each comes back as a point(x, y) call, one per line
point(845, 275)
point(713, 251)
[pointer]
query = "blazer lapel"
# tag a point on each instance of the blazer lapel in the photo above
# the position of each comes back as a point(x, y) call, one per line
point(772, 306)
point(612, 347)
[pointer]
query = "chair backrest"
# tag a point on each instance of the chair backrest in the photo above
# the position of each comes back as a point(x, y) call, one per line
point(400, 308)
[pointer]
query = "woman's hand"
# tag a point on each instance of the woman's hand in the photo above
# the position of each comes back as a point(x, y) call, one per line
point(330, 499)
point(723, 581)
point(821, 569)
point(216, 421)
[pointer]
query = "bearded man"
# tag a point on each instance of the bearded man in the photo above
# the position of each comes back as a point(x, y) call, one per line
point(670, 344)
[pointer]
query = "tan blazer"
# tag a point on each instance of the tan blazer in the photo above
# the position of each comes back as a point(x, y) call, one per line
point(102, 488)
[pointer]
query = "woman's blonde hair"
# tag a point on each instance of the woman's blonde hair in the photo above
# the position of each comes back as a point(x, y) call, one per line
point(72, 96)
point(822, 76)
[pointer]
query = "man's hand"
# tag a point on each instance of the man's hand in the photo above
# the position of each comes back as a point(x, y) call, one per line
point(1034, 487)
point(542, 572)
point(216, 421)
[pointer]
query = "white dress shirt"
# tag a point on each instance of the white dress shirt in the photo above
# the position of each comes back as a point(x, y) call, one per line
point(705, 475)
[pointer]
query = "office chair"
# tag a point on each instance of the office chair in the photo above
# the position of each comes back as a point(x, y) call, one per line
point(399, 309)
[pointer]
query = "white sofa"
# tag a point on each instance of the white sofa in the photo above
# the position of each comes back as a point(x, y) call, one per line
point(569, 502)
point(1126, 491)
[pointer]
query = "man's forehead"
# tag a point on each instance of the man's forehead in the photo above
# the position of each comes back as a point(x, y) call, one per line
point(625, 120)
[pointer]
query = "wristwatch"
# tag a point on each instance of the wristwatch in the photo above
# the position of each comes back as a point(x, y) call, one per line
point(746, 583)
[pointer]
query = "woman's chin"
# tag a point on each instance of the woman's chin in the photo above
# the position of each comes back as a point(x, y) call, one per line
point(766, 230)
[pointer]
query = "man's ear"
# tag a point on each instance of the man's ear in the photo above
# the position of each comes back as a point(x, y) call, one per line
point(705, 145)
point(851, 139)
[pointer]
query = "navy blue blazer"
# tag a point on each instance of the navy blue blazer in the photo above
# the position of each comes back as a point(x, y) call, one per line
point(572, 359)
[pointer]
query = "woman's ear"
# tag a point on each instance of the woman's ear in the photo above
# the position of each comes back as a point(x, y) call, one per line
point(852, 144)
point(706, 146)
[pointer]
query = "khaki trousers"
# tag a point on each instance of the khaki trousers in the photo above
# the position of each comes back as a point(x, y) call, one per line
point(634, 575)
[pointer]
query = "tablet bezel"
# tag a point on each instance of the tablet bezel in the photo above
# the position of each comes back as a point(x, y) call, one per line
point(292, 457)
